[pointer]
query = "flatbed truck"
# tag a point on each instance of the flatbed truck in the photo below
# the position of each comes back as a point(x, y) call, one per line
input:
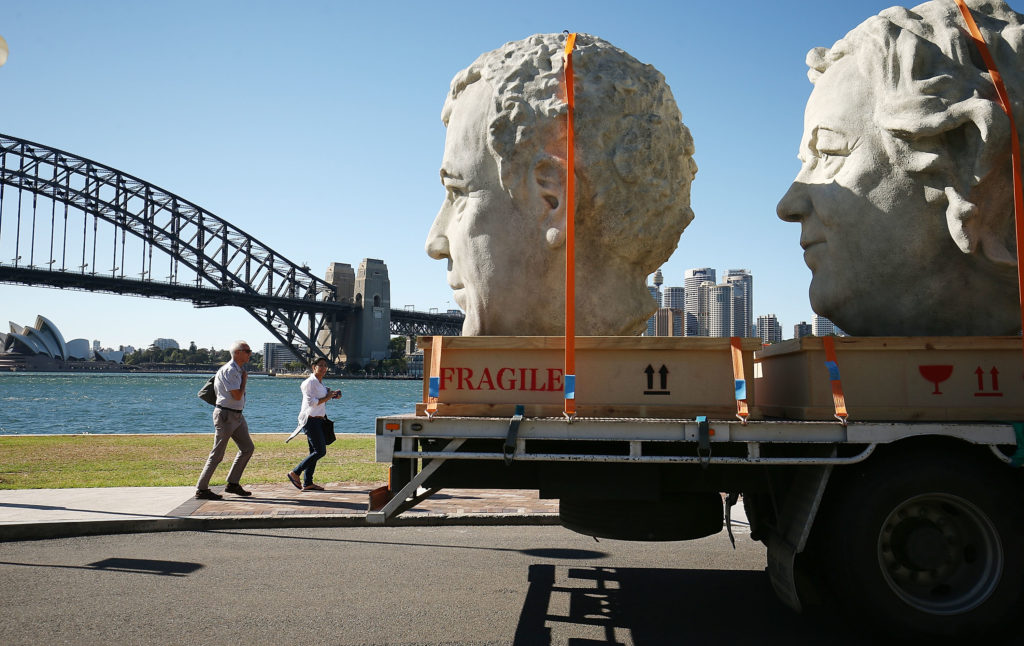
point(914, 527)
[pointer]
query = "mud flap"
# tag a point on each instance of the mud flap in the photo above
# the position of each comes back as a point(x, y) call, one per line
point(788, 539)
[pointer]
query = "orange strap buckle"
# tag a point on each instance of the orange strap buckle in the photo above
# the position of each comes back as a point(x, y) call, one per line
point(838, 399)
point(434, 383)
point(739, 382)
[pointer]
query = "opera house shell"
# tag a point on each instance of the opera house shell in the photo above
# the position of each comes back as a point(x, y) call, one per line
point(42, 347)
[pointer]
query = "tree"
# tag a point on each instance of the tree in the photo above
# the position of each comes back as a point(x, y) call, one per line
point(396, 347)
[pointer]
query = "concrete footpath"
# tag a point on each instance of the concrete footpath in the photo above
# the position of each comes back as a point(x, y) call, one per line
point(28, 514)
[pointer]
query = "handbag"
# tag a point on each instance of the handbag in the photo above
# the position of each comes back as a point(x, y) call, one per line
point(328, 429)
point(207, 392)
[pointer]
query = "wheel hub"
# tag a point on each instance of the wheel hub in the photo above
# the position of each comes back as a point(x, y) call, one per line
point(940, 553)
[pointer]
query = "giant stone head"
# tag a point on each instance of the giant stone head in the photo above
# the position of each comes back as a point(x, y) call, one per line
point(502, 225)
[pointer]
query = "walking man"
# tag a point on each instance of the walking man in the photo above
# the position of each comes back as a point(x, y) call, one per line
point(229, 423)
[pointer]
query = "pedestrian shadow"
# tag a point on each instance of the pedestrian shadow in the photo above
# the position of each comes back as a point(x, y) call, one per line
point(646, 606)
point(133, 566)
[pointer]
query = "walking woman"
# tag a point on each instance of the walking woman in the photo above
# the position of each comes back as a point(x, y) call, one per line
point(315, 396)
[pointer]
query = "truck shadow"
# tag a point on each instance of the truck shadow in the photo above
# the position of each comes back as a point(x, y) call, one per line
point(581, 606)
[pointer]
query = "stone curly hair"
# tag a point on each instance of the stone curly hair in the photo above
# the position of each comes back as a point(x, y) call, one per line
point(633, 154)
point(936, 98)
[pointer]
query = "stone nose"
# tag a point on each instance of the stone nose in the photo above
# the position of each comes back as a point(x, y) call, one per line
point(795, 205)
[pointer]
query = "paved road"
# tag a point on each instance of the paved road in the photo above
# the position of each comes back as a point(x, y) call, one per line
point(391, 585)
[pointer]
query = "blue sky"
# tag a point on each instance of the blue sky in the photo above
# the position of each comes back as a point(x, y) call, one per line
point(315, 127)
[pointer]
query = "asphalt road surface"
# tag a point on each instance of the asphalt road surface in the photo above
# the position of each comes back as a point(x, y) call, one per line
point(407, 585)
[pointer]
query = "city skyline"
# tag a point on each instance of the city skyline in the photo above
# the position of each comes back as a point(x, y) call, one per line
point(329, 155)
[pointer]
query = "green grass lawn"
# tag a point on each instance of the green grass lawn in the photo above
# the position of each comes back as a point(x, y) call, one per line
point(57, 461)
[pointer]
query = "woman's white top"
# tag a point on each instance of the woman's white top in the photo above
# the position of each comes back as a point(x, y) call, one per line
point(312, 392)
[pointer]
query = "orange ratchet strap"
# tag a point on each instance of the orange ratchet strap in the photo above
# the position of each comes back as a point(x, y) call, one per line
point(838, 399)
point(570, 237)
point(1004, 102)
point(740, 383)
point(434, 385)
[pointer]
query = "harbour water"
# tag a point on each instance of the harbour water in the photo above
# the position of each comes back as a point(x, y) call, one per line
point(66, 403)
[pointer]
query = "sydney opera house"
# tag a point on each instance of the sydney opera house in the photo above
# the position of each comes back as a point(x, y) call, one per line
point(42, 347)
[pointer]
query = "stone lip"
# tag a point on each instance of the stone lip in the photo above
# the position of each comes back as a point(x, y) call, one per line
point(32, 514)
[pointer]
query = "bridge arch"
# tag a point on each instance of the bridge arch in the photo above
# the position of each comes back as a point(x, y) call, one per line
point(79, 213)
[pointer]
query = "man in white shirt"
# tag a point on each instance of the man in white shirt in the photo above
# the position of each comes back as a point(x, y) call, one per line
point(229, 424)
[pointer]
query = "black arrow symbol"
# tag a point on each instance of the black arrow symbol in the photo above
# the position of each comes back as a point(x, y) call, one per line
point(649, 371)
point(664, 376)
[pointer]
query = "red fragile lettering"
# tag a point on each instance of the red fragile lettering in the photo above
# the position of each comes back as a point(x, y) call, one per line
point(530, 379)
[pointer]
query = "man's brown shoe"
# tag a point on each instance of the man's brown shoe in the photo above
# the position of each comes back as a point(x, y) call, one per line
point(206, 494)
point(235, 488)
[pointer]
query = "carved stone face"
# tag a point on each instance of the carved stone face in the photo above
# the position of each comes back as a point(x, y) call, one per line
point(880, 253)
point(502, 272)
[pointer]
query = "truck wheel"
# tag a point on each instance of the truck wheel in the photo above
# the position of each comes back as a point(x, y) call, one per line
point(679, 518)
point(926, 543)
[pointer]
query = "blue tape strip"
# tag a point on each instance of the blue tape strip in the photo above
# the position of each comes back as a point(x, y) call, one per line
point(702, 418)
point(741, 389)
point(1018, 458)
point(434, 389)
point(570, 386)
point(833, 370)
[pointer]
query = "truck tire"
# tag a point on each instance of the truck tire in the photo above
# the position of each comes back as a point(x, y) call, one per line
point(925, 542)
point(679, 518)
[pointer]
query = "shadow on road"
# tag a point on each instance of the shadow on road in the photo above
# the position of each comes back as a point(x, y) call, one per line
point(658, 606)
point(134, 566)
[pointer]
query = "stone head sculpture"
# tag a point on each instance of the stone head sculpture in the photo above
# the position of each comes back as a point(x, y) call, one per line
point(502, 226)
point(905, 193)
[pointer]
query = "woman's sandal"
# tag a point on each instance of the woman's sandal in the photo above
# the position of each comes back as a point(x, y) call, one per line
point(312, 487)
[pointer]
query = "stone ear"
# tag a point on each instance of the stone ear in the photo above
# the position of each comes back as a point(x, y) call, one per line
point(975, 224)
point(547, 197)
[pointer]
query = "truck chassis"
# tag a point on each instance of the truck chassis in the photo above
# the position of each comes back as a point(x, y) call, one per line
point(916, 526)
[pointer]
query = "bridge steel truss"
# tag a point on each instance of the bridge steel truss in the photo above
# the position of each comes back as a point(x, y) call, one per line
point(410, 323)
point(209, 261)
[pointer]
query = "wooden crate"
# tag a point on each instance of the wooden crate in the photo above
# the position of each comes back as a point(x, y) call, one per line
point(895, 378)
point(663, 377)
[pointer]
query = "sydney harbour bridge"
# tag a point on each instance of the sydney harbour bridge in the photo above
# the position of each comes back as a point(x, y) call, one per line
point(73, 223)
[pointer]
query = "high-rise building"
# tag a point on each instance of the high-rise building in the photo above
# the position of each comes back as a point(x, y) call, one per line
point(742, 282)
point(768, 329)
point(275, 355)
point(821, 326)
point(166, 344)
point(674, 297)
point(663, 322)
point(802, 329)
point(656, 295)
point(719, 302)
point(691, 284)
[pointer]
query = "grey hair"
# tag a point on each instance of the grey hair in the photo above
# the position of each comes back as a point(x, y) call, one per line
point(936, 92)
point(238, 345)
point(634, 159)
